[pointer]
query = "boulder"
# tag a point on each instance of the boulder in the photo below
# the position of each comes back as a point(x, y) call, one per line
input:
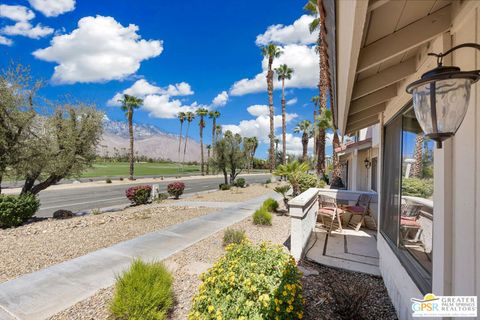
point(63, 214)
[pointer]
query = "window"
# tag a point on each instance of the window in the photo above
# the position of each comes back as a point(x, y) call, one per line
point(407, 191)
point(374, 174)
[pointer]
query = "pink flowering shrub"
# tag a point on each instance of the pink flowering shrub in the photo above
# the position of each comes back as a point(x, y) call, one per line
point(139, 194)
point(175, 189)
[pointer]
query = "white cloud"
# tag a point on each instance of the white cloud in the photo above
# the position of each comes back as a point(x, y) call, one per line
point(141, 88)
point(296, 33)
point(99, 50)
point(5, 41)
point(24, 28)
point(161, 106)
point(292, 101)
point(258, 110)
point(221, 99)
point(259, 127)
point(53, 8)
point(294, 144)
point(16, 13)
point(302, 59)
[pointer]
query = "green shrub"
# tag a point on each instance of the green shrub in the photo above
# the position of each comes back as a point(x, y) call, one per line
point(240, 182)
point(268, 181)
point(233, 236)
point(143, 292)
point(161, 197)
point(416, 187)
point(224, 187)
point(139, 194)
point(121, 179)
point(15, 210)
point(108, 180)
point(262, 216)
point(175, 189)
point(270, 204)
point(96, 212)
point(250, 282)
point(321, 184)
point(307, 181)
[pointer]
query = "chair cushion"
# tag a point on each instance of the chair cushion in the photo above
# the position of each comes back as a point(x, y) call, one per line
point(355, 209)
point(329, 210)
point(409, 223)
point(409, 218)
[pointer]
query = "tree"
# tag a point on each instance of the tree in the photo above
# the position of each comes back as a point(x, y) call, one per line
point(305, 127)
point(181, 118)
point(271, 51)
point(189, 116)
point(129, 104)
point(202, 112)
point(218, 131)
point(250, 145)
point(284, 72)
point(293, 171)
point(277, 141)
point(209, 148)
point(418, 166)
point(320, 138)
point(214, 115)
point(228, 156)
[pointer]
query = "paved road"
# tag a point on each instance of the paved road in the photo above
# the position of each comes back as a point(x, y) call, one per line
point(82, 199)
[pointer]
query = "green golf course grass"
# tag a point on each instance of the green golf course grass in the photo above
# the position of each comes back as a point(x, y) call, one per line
point(112, 169)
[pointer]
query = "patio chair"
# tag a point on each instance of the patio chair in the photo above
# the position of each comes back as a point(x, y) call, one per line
point(409, 223)
point(328, 208)
point(362, 209)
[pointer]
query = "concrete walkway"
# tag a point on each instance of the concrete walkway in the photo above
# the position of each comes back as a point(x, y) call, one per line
point(206, 204)
point(41, 294)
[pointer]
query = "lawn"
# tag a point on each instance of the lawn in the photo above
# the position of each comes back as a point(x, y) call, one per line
point(111, 169)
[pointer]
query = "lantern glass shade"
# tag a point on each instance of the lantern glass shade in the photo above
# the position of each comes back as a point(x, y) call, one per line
point(450, 98)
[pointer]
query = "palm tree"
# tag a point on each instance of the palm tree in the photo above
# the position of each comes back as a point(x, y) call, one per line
point(293, 171)
point(181, 118)
point(271, 51)
point(129, 104)
point(304, 126)
point(418, 155)
point(320, 137)
point(284, 72)
point(214, 115)
point(202, 112)
point(189, 116)
point(209, 148)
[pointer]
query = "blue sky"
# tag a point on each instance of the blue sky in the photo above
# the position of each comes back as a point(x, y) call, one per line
point(93, 50)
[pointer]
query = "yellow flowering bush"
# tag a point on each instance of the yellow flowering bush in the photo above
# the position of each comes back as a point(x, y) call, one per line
point(251, 282)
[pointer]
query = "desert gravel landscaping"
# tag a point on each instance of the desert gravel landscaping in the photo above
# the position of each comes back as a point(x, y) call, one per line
point(235, 194)
point(40, 244)
point(186, 266)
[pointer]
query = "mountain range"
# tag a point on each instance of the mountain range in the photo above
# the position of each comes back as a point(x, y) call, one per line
point(150, 141)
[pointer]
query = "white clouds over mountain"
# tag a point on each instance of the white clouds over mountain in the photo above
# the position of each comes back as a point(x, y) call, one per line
point(296, 33)
point(53, 8)
point(99, 50)
point(16, 13)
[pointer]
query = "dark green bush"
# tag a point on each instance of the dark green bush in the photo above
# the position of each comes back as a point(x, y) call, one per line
point(223, 186)
point(143, 292)
point(262, 217)
point(240, 182)
point(268, 181)
point(270, 204)
point(15, 210)
point(233, 236)
point(416, 187)
point(307, 181)
point(161, 197)
point(321, 184)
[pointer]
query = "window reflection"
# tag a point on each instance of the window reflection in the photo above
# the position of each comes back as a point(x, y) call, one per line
point(416, 212)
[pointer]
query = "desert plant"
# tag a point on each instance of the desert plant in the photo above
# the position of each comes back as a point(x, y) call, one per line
point(250, 282)
point(240, 182)
point(321, 184)
point(233, 236)
point(15, 210)
point(224, 186)
point(96, 212)
point(139, 194)
point(349, 299)
point(262, 217)
point(143, 292)
point(108, 180)
point(293, 171)
point(283, 191)
point(175, 189)
point(161, 197)
point(121, 179)
point(307, 181)
point(270, 204)
point(268, 181)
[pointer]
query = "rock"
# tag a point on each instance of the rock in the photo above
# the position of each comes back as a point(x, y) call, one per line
point(307, 271)
point(63, 214)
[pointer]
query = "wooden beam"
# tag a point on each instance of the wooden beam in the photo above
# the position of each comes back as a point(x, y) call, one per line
point(411, 36)
point(362, 124)
point(375, 110)
point(377, 4)
point(384, 78)
point(373, 99)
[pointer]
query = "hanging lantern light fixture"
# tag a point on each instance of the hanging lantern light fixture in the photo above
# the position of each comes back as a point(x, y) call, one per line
point(441, 97)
